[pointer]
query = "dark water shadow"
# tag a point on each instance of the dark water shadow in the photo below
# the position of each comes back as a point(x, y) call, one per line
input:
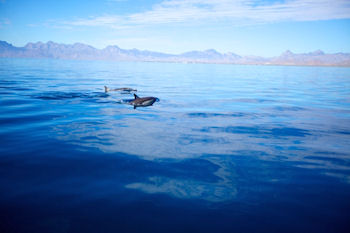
point(59, 187)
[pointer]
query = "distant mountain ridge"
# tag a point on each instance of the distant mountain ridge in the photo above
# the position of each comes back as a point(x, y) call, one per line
point(79, 51)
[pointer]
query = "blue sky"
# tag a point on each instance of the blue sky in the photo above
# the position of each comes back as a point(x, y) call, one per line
point(250, 27)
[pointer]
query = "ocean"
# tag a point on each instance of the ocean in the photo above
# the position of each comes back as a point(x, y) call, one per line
point(228, 148)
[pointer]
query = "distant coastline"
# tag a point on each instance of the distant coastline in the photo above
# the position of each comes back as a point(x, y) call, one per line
point(79, 51)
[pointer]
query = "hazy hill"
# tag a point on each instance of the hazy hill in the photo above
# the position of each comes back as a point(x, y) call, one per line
point(81, 51)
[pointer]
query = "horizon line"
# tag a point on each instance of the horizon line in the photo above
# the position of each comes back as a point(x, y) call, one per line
point(213, 49)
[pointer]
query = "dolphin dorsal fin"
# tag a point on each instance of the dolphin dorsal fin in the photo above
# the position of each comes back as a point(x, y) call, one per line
point(136, 97)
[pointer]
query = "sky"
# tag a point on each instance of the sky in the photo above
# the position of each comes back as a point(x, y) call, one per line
point(245, 27)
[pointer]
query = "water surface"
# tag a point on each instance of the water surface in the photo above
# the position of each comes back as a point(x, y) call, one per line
point(227, 148)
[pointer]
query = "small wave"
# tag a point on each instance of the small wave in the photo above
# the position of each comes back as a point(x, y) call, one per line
point(191, 139)
point(208, 115)
point(252, 100)
point(7, 82)
point(343, 132)
point(328, 159)
point(27, 119)
point(275, 132)
point(14, 102)
point(58, 95)
point(124, 101)
point(16, 88)
point(289, 108)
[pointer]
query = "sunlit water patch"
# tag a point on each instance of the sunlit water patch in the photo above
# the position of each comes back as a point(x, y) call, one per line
point(227, 148)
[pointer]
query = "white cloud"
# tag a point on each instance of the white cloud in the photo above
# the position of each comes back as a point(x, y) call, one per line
point(237, 12)
point(109, 21)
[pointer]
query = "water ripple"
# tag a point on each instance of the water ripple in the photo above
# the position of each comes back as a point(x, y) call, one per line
point(59, 95)
point(226, 141)
point(257, 130)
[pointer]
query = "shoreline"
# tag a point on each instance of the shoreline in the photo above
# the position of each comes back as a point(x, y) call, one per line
point(182, 62)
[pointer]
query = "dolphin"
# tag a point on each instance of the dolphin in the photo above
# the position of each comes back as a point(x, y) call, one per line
point(143, 102)
point(123, 89)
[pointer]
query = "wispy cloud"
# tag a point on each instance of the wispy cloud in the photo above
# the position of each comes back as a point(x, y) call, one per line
point(236, 12)
point(4, 22)
point(109, 21)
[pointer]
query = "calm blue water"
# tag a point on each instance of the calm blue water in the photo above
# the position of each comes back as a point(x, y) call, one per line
point(227, 148)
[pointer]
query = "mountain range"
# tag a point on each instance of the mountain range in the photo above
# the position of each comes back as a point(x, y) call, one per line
point(79, 51)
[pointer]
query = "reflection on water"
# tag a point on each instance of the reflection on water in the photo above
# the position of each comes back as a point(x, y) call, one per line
point(226, 144)
point(186, 189)
point(223, 189)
